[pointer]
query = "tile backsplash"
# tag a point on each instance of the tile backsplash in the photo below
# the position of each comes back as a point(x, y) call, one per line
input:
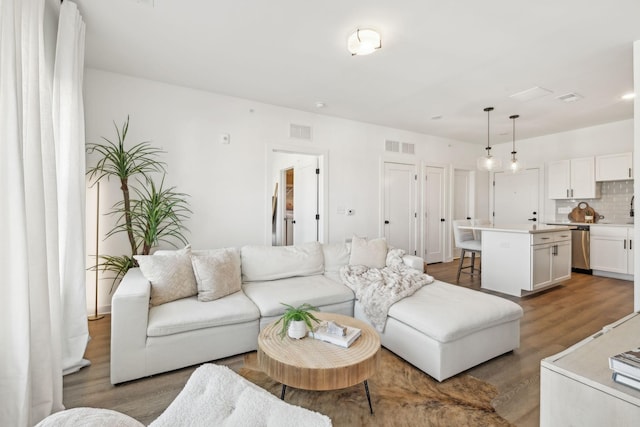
point(614, 204)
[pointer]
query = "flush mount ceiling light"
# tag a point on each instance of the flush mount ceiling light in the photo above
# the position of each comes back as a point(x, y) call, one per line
point(515, 165)
point(364, 41)
point(488, 162)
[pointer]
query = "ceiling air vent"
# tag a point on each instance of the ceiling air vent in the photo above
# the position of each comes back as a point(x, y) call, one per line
point(569, 97)
point(300, 131)
point(530, 94)
point(408, 148)
point(392, 146)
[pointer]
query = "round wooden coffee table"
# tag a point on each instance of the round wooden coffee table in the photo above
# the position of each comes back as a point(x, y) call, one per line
point(311, 364)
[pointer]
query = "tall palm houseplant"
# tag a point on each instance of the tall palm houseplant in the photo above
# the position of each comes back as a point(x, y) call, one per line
point(148, 213)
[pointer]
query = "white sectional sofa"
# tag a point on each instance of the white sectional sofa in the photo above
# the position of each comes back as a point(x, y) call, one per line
point(442, 329)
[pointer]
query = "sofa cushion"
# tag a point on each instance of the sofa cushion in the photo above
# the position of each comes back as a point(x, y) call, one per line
point(189, 314)
point(315, 290)
point(336, 256)
point(217, 273)
point(261, 263)
point(171, 276)
point(370, 253)
point(448, 312)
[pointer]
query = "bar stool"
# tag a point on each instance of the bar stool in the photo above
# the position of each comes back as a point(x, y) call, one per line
point(465, 241)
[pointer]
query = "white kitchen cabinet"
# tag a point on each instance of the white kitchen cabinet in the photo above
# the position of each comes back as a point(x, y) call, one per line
point(612, 251)
point(572, 179)
point(614, 167)
point(576, 388)
point(551, 262)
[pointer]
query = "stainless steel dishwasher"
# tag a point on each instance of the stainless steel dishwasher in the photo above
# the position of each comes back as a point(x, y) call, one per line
point(580, 249)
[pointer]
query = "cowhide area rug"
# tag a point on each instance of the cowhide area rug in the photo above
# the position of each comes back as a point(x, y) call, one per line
point(401, 395)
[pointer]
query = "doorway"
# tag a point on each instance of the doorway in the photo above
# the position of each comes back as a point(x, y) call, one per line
point(399, 206)
point(296, 197)
point(463, 199)
point(516, 197)
point(435, 214)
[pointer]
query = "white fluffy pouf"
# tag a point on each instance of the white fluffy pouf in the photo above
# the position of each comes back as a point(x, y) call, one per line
point(217, 396)
point(89, 417)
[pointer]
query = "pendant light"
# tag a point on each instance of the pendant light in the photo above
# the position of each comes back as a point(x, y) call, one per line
point(515, 165)
point(488, 162)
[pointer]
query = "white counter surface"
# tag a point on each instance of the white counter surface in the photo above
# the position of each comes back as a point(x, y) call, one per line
point(519, 228)
point(590, 224)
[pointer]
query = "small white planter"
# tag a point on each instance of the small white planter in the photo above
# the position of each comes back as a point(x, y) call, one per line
point(297, 329)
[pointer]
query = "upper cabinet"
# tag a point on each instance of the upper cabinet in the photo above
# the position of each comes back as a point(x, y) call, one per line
point(572, 179)
point(614, 167)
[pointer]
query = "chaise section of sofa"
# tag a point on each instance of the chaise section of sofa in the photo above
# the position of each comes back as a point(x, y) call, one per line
point(444, 329)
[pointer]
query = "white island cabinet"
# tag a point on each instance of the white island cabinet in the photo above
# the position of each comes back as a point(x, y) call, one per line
point(522, 259)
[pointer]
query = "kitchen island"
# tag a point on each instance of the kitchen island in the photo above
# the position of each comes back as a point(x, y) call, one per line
point(522, 259)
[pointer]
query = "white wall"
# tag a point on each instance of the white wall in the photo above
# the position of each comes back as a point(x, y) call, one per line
point(227, 183)
point(636, 167)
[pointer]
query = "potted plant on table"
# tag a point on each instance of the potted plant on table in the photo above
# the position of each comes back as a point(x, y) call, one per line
point(296, 321)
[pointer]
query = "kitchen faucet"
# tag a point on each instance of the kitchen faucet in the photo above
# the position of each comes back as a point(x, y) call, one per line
point(631, 211)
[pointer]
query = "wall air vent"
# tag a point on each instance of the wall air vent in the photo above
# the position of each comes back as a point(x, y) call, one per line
point(408, 148)
point(569, 97)
point(392, 146)
point(300, 131)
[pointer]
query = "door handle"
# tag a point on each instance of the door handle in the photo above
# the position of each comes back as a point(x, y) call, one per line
point(468, 217)
point(532, 219)
point(441, 219)
point(625, 244)
point(386, 221)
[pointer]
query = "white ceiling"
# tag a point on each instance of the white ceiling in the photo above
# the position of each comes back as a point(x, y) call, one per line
point(448, 58)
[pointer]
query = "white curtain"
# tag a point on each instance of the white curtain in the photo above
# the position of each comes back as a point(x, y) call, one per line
point(33, 297)
point(68, 127)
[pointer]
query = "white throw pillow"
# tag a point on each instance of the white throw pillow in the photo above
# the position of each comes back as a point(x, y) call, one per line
point(217, 273)
point(370, 253)
point(171, 276)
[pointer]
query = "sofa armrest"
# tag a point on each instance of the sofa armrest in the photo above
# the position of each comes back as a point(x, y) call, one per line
point(414, 262)
point(129, 318)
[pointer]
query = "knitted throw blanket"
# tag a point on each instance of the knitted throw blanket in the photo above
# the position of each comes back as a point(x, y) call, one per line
point(378, 289)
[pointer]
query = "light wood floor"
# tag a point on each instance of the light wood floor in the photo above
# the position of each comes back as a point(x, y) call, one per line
point(553, 320)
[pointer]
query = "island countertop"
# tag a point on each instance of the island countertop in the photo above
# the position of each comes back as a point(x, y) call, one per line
point(519, 228)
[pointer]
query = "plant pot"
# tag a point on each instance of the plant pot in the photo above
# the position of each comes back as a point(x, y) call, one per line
point(297, 329)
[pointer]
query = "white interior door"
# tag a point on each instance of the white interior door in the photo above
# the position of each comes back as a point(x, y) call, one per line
point(399, 206)
point(462, 200)
point(516, 197)
point(305, 202)
point(434, 214)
